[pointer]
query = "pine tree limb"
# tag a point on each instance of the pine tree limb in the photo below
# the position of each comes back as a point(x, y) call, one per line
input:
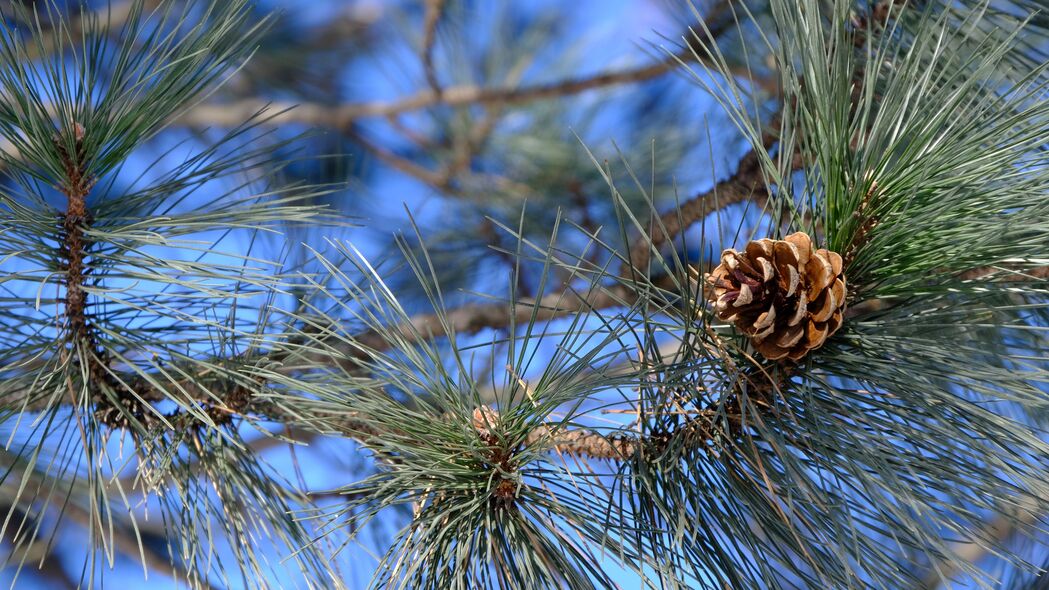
point(341, 117)
point(471, 319)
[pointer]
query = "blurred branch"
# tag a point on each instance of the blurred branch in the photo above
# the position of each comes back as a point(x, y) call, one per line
point(466, 146)
point(1039, 273)
point(405, 165)
point(39, 551)
point(115, 14)
point(470, 319)
point(340, 117)
point(434, 8)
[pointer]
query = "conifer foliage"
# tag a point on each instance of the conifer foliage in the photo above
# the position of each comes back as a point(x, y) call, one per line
point(851, 391)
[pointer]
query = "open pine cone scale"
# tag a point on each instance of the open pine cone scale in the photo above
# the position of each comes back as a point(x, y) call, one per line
point(786, 296)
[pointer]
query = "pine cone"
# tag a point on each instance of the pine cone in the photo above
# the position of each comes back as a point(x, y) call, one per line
point(786, 296)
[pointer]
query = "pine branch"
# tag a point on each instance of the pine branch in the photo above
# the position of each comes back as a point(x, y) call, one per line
point(705, 427)
point(470, 319)
point(366, 400)
point(341, 117)
point(583, 443)
point(465, 320)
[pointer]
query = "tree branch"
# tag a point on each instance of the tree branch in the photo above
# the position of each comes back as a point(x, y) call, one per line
point(340, 117)
point(474, 318)
point(434, 8)
point(114, 14)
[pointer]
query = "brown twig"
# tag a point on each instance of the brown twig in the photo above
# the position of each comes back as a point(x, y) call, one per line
point(719, 419)
point(340, 117)
point(80, 335)
point(433, 178)
point(434, 8)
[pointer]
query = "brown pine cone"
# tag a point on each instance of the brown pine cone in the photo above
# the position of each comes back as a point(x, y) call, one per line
point(786, 296)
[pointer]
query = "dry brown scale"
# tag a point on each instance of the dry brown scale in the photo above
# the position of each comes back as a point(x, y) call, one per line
point(785, 295)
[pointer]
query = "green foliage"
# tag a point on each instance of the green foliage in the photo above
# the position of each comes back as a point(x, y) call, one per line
point(160, 66)
point(127, 308)
point(490, 506)
point(924, 166)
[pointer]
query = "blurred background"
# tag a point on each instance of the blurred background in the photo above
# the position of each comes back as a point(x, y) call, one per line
point(461, 117)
